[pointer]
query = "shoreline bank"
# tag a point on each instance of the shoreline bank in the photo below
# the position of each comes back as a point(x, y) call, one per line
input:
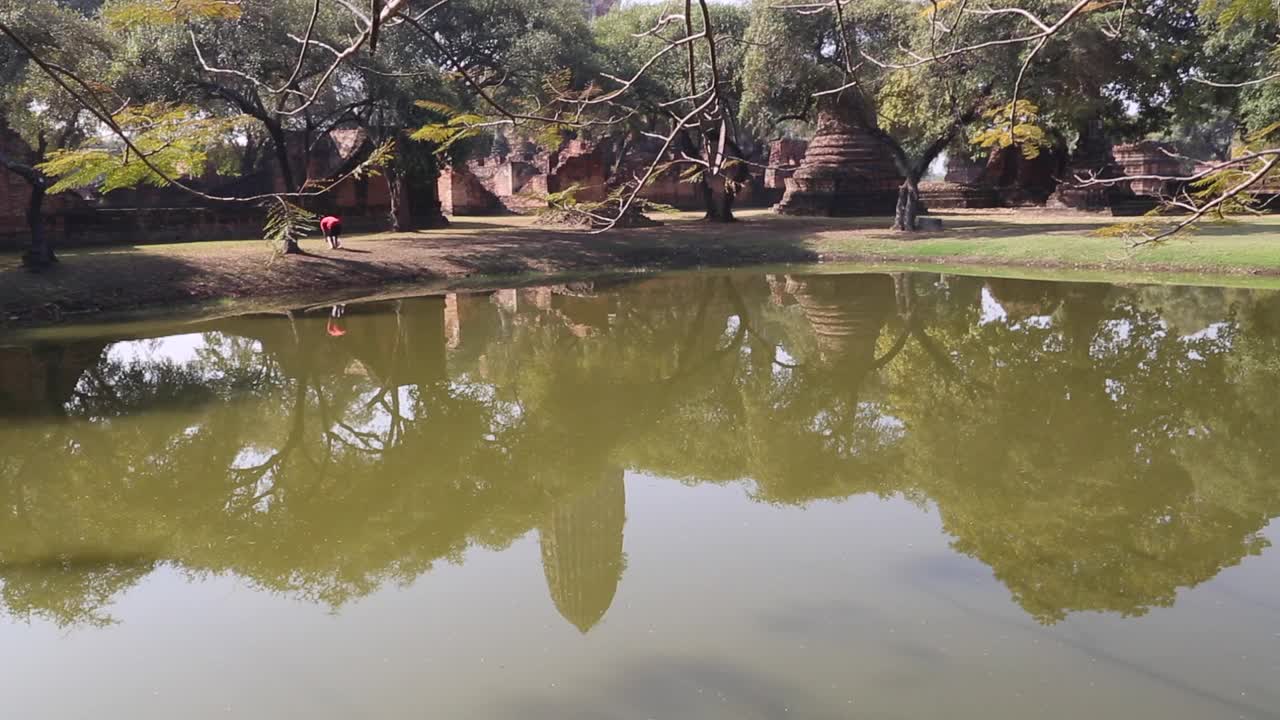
point(216, 278)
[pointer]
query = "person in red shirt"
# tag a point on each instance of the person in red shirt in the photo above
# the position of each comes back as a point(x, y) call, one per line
point(332, 228)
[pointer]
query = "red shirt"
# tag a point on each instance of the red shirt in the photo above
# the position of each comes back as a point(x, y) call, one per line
point(330, 223)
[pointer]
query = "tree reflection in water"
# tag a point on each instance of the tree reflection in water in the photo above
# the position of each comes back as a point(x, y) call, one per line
point(1099, 447)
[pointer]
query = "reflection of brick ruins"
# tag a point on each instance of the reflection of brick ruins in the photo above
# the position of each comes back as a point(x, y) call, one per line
point(847, 321)
point(845, 171)
point(42, 379)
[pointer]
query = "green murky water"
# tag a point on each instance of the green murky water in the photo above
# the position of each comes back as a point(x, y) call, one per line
point(698, 496)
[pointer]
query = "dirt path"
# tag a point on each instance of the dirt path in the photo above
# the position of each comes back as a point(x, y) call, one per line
point(226, 276)
point(100, 283)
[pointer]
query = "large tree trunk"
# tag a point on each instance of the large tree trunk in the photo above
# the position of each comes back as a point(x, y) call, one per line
point(401, 212)
point(909, 206)
point(249, 160)
point(393, 191)
point(718, 195)
point(40, 255)
point(905, 218)
point(286, 174)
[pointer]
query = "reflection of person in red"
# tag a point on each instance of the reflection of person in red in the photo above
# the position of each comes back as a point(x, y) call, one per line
point(334, 327)
point(332, 228)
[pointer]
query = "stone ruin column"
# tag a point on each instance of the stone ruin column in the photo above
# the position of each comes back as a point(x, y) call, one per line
point(965, 186)
point(1150, 158)
point(845, 172)
point(1092, 158)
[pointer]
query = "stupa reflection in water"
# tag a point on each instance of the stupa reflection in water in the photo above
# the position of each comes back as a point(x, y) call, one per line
point(582, 550)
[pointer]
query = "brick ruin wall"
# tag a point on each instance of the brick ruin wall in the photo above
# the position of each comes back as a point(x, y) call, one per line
point(520, 183)
point(149, 215)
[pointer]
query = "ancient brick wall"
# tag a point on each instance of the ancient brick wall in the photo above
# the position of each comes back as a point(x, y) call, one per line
point(668, 189)
point(148, 214)
point(578, 163)
point(15, 195)
point(462, 193)
point(963, 170)
point(1149, 158)
point(785, 156)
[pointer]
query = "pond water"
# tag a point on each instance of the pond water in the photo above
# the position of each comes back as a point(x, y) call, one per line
point(690, 496)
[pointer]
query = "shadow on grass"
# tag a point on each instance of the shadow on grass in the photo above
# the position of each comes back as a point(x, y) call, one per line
point(515, 250)
point(464, 225)
point(962, 226)
point(89, 282)
point(84, 285)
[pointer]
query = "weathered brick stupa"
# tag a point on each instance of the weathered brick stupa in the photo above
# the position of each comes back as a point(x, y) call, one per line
point(845, 171)
point(785, 156)
point(1092, 159)
point(1151, 158)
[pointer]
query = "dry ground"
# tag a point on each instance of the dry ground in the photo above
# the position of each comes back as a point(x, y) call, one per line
point(225, 276)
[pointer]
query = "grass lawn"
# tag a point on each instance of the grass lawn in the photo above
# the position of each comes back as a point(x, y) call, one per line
point(1042, 239)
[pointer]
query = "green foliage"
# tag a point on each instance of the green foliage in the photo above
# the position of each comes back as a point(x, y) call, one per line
point(625, 46)
point(1230, 12)
point(1224, 182)
point(456, 127)
point(287, 224)
point(794, 56)
point(1013, 124)
point(133, 13)
point(172, 138)
point(381, 158)
point(790, 56)
point(566, 197)
point(508, 46)
point(1132, 231)
point(550, 135)
point(31, 104)
point(565, 207)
